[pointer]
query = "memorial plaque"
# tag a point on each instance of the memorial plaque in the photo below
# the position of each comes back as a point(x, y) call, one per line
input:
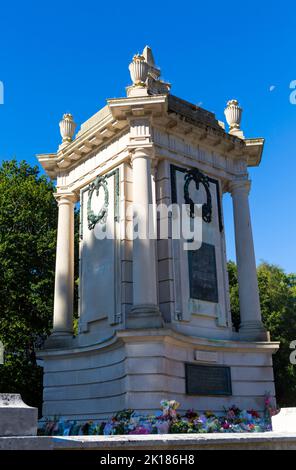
point(203, 273)
point(207, 380)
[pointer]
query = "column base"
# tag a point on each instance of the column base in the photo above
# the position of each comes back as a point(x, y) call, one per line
point(253, 331)
point(59, 340)
point(144, 316)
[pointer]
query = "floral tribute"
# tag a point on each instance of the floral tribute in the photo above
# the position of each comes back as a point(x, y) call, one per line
point(168, 421)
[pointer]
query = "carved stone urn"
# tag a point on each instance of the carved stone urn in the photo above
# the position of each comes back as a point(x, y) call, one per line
point(139, 70)
point(67, 128)
point(233, 114)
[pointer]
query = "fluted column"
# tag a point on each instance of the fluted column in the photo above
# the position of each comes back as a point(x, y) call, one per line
point(64, 273)
point(251, 323)
point(145, 312)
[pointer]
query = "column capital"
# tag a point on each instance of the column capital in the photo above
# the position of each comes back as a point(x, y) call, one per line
point(142, 152)
point(224, 186)
point(239, 185)
point(154, 166)
point(65, 198)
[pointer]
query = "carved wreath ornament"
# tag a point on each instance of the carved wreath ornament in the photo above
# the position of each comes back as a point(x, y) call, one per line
point(199, 178)
point(101, 216)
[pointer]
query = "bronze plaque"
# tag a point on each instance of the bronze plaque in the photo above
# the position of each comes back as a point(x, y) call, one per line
point(207, 380)
point(203, 273)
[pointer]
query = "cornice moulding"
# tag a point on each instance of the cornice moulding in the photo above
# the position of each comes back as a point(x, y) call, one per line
point(168, 113)
point(254, 150)
point(122, 108)
point(94, 137)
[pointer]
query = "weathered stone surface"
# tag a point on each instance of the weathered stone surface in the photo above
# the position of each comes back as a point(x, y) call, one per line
point(285, 420)
point(240, 441)
point(243, 441)
point(192, 113)
point(26, 443)
point(17, 418)
point(143, 370)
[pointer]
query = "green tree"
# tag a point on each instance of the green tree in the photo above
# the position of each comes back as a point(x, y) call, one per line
point(278, 305)
point(28, 220)
point(233, 293)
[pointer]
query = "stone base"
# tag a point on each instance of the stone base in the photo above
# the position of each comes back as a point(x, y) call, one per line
point(237, 132)
point(170, 442)
point(144, 316)
point(17, 418)
point(253, 331)
point(285, 420)
point(136, 91)
point(139, 368)
point(215, 441)
point(59, 340)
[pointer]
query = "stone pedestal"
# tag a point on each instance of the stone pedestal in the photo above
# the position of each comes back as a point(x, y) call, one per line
point(137, 369)
point(17, 418)
point(285, 420)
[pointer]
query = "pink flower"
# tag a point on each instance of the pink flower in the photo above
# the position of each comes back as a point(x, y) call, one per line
point(254, 413)
point(230, 414)
point(225, 425)
point(140, 430)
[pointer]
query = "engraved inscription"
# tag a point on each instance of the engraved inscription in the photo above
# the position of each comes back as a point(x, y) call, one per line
point(203, 273)
point(208, 380)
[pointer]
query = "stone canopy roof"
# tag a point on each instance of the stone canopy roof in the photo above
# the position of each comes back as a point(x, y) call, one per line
point(192, 113)
point(150, 96)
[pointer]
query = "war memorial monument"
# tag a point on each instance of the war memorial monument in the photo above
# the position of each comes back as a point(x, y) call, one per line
point(154, 316)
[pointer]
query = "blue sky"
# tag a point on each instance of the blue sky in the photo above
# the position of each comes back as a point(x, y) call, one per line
point(70, 56)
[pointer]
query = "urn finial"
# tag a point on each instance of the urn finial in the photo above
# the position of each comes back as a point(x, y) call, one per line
point(139, 70)
point(145, 76)
point(67, 129)
point(139, 73)
point(233, 114)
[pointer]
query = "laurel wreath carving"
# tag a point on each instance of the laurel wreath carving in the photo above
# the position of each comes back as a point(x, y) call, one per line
point(101, 216)
point(199, 178)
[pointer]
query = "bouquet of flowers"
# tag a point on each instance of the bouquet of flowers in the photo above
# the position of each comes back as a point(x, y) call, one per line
point(168, 421)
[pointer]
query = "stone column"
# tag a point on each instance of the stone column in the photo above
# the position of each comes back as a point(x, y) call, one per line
point(64, 274)
point(251, 323)
point(145, 312)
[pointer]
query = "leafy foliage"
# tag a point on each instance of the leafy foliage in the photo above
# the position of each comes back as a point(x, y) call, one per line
point(278, 306)
point(28, 221)
point(233, 293)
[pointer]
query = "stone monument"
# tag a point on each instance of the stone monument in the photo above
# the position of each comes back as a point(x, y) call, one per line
point(154, 316)
point(16, 418)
